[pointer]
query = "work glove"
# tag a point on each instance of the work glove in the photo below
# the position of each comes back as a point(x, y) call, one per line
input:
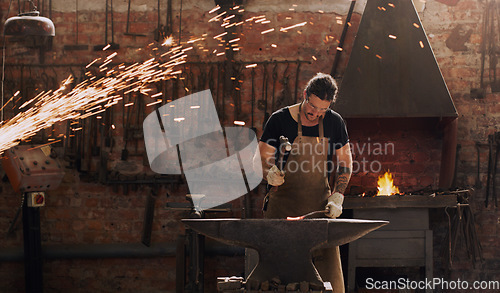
point(275, 176)
point(334, 205)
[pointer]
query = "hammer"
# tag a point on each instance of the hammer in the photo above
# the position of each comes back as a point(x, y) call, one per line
point(285, 146)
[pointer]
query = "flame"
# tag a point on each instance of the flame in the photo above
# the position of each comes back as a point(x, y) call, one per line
point(386, 185)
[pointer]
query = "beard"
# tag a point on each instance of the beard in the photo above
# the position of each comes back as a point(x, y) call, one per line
point(311, 116)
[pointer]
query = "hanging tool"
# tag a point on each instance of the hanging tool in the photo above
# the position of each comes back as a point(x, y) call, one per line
point(113, 45)
point(494, 150)
point(236, 89)
point(285, 97)
point(76, 46)
point(126, 128)
point(180, 24)
point(497, 151)
point(127, 32)
point(262, 103)
point(225, 73)
point(253, 99)
point(220, 109)
point(169, 21)
point(159, 32)
point(463, 223)
point(149, 214)
point(297, 73)
point(103, 154)
point(275, 78)
point(211, 84)
point(478, 184)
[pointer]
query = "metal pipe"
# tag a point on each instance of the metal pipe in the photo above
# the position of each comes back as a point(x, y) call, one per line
point(448, 154)
point(342, 39)
point(116, 250)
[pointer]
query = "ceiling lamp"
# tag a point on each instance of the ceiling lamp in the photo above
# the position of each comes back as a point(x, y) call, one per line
point(29, 24)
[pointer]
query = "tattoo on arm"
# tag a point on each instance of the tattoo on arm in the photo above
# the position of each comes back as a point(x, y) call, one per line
point(342, 179)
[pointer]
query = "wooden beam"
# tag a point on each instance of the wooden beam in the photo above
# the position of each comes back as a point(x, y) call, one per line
point(395, 201)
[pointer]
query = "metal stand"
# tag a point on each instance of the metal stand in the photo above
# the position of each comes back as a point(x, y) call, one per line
point(32, 248)
point(196, 255)
point(191, 251)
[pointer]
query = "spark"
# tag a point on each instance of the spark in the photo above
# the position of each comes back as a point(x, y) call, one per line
point(15, 95)
point(284, 29)
point(153, 103)
point(392, 37)
point(217, 17)
point(105, 84)
point(421, 44)
point(168, 41)
point(91, 63)
point(240, 123)
point(220, 35)
point(229, 17)
point(214, 9)
point(251, 65)
point(267, 31)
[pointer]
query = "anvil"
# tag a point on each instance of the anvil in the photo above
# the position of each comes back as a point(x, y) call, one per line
point(284, 246)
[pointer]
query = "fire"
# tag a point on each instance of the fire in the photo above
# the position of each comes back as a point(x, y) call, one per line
point(386, 185)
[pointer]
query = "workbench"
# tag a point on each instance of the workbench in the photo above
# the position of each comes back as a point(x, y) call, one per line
point(405, 242)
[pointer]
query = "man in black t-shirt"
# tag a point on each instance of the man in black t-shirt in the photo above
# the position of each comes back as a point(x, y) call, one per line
point(300, 185)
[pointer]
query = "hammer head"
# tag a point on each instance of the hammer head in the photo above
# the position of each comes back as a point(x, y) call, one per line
point(285, 144)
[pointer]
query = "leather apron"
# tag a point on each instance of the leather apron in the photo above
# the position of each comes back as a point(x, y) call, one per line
point(305, 190)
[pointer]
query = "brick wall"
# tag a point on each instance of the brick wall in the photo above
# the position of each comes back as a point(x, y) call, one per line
point(86, 210)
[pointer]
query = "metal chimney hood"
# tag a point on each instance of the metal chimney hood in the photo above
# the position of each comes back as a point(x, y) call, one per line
point(392, 71)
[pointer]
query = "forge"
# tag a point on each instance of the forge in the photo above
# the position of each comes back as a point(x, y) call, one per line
point(284, 246)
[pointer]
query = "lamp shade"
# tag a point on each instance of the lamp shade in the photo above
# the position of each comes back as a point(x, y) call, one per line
point(29, 24)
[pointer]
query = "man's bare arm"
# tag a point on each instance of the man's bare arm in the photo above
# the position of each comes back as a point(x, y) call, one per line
point(344, 170)
point(266, 152)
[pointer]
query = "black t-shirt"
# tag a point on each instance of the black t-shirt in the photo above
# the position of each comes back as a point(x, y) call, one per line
point(282, 123)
